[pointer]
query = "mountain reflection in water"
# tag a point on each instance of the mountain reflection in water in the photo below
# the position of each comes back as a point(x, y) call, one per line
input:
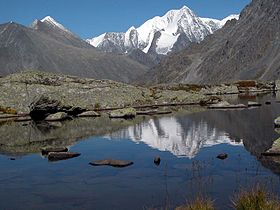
point(180, 136)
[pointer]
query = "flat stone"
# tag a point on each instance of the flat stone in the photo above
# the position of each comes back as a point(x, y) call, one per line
point(59, 116)
point(113, 163)
point(253, 104)
point(226, 105)
point(56, 156)
point(123, 113)
point(46, 151)
point(89, 114)
point(23, 119)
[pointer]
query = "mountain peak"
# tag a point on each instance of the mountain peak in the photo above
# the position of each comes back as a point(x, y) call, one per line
point(52, 22)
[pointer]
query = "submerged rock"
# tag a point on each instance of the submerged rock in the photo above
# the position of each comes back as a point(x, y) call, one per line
point(113, 163)
point(89, 114)
point(222, 156)
point(123, 113)
point(59, 116)
point(46, 151)
point(56, 156)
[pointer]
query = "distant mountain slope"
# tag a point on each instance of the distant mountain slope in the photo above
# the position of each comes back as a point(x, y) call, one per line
point(160, 35)
point(48, 46)
point(245, 49)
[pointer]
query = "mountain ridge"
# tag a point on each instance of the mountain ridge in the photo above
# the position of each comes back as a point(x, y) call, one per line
point(162, 31)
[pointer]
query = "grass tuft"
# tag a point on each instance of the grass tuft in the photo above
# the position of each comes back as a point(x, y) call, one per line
point(256, 199)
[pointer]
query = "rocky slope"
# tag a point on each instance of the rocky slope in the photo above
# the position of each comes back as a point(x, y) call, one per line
point(161, 35)
point(48, 46)
point(243, 49)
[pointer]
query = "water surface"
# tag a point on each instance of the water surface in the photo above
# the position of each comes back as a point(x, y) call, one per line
point(187, 142)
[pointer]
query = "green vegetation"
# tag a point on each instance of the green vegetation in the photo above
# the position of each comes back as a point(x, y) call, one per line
point(256, 199)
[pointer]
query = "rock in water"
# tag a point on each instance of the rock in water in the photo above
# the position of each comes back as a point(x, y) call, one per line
point(157, 160)
point(59, 116)
point(222, 156)
point(277, 122)
point(46, 151)
point(253, 104)
point(56, 156)
point(113, 163)
point(226, 105)
point(123, 113)
point(89, 114)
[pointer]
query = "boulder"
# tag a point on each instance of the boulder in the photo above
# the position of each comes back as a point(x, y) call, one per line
point(59, 116)
point(89, 114)
point(222, 156)
point(46, 151)
point(56, 156)
point(42, 107)
point(113, 163)
point(277, 122)
point(123, 113)
point(253, 104)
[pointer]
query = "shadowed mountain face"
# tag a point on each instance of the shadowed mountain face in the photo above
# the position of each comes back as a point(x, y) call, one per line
point(243, 49)
point(47, 47)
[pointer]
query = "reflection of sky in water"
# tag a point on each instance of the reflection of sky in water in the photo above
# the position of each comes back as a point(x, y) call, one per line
point(167, 134)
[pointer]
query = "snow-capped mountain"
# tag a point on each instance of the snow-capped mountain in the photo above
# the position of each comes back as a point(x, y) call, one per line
point(160, 34)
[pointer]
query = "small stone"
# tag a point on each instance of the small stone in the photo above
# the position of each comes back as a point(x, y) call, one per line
point(222, 156)
point(157, 161)
point(59, 116)
point(268, 102)
point(277, 122)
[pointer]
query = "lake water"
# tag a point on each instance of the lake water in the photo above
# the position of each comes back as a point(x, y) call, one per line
point(187, 142)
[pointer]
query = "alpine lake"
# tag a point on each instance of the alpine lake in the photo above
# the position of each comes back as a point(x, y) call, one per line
point(187, 142)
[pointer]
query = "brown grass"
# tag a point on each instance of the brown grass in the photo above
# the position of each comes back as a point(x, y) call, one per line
point(256, 199)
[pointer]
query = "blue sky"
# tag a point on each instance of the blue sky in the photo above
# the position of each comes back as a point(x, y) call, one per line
point(88, 18)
